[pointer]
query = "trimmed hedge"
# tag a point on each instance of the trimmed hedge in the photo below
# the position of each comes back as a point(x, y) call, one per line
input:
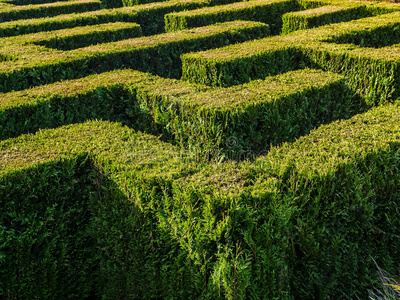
point(5, 57)
point(75, 101)
point(121, 3)
point(372, 73)
point(55, 236)
point(129, 3)
point(228, 66)
point(150, 17)
point(79, 37)
point(249, 117)
point(157, 54)
point(4, 4)
point(300, 222)
point(33, 2)
point(98, 210)
point(47, 10)
point(21, 27)
point(265, 11)
point(321, 16)
point(373, 37)
point(46, 250)
point(201, 119)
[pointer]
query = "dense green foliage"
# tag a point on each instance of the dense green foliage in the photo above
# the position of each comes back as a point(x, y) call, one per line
point(35, 66)
point(95, 235)
point(321, 16)
point(46, 10)
point(96, 34)
point(371, 73)
point(196, 117)
point(214, 162)
point(150, 17)
point(287, 212)
point(269, 12)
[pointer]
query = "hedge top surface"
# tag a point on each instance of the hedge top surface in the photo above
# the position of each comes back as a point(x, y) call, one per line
point(37, 38)
point(31, 96)
point(319, 10)
point(28, 55)
point(311, 38)
point(160, 86)
point(122, 12)
point(226, 8)
point(48, 9)
point(255, 92)
point(325, 148)
point(38, 6)
point(182, 92)
point(150, 41)
point(111, 144)
point(316, 155)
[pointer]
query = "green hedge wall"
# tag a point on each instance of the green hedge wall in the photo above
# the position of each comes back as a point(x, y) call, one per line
point(376, 37)
point(321, 16)
point(372, 73)
point(236, 65)
point(157, 54)
point(149, 16)
point(304, 221)
point(47, 10)
point(249, 118)
point(55, 236)
point(199, 118)
point(121, 3)
point(99, 210)
point(80, 37)
point(152, 18)
point(46, 247)
point(269, 12)
point(21, 27)
point(301, 222)
point(32, 2)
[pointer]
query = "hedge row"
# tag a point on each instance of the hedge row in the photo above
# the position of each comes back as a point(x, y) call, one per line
point(21, 27)
point(128, 3)
point(100, 96)
point(265, 11)
point(33, 2)
point(228, 66)
point(79, 37)
point(64, 231)
point(158, 54)
point(321, 16)
point(254, 115)
point(336, 12)
point(150, 17)
point(302, 222)
point(47, 10)
point(375, 37)
point(121, 3)
point(373, 73)
point(5, 4)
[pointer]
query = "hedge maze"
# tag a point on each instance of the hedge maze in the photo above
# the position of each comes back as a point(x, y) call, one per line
point(198, 149)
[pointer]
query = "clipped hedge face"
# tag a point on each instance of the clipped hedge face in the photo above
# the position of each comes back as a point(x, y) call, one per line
point(198, 149)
